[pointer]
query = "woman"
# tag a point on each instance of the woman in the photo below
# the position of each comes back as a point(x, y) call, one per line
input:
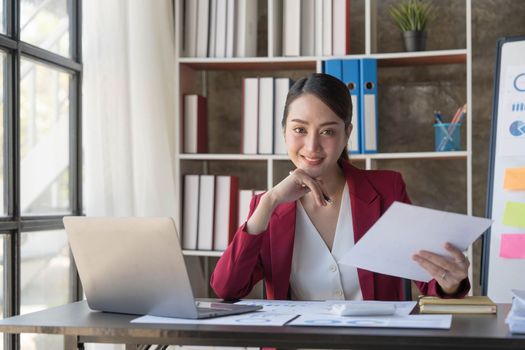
point(298, 230)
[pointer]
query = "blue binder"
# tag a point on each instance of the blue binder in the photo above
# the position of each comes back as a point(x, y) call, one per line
point(368, 105)
point(334, 68)
point(351, 78)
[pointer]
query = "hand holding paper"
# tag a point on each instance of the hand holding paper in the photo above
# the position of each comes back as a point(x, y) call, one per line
point(449, 272)
point(404, 230)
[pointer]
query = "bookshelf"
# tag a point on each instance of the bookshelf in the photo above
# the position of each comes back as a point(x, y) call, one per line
point(199, 75)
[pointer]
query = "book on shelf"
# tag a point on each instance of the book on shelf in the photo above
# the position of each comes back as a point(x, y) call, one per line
point(230, 27)
point(245, 197)
point(246, 28)
point(311, 27)
point(219, 28)
point(291, 28)
point(307, 27)
point(195, 115)
point(275, 27)
point(250, 113)
point(466, 305)
point(341, 27)
point(210, 212)
point(360, 76)
point(281, 88)
point(203, 8)
point(226, 211)
point(190, 218)
point(327, 28)
point(212, 35)
point(190, 28)
point(368, 105)
point(318, 27)
point(352, 78)
point(263, 102)
point(206, 212)
point(265, 116)
point(220, 35)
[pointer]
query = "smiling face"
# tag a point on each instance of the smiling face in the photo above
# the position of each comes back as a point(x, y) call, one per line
point(315, 136)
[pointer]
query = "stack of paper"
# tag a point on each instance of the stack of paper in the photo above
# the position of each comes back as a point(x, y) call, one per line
point(467, 305)
point(516, 317)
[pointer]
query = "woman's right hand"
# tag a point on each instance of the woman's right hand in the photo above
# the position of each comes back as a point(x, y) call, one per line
point(295, 186)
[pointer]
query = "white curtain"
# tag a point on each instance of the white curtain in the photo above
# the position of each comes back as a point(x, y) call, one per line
point(128, 109)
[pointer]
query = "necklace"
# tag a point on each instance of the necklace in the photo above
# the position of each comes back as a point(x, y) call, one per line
point(335, 197)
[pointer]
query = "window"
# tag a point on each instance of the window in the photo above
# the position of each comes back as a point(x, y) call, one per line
point(2, 17)
point(40, 165)
point(2, 131)
point(44, 139)
point(45, 23)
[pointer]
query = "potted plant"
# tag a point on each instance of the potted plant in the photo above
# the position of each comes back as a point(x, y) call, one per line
point(413, 18)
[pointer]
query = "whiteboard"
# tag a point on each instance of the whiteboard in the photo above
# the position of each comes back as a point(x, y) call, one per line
point(502, 270)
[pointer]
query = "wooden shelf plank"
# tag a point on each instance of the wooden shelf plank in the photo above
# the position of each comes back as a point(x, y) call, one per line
point(254, 63)
point(264, 157)
point(395, 59)
point(422, 58)
point(221, 156)
point(419, 155)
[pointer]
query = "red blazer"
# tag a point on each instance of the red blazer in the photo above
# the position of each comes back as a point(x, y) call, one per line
point(268, 255)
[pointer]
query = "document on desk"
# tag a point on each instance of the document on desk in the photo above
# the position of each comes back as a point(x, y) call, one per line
point(258, 318)
point(403, 308)
point(289, 306)
point(410, 321)
point(405, 229)
point(278, 312)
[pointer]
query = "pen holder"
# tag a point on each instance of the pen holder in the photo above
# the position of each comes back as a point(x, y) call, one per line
point(447, 137)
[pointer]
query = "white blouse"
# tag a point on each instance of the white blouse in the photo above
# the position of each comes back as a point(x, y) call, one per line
point(316, 272)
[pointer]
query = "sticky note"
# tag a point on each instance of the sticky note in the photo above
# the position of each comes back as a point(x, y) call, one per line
point(514, 179)
point(514, 214)
point(512, 246)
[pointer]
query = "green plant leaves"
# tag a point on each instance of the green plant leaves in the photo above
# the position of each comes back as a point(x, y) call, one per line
point(413, 15)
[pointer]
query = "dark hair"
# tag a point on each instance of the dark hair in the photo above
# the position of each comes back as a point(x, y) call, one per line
point(332, 91)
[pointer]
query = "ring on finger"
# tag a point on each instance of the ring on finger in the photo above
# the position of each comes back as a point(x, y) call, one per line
point(444, 275)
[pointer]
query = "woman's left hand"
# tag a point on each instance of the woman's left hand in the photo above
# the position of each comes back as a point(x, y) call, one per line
point(447, 271)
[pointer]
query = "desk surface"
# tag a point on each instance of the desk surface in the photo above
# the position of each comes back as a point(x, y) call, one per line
point(76, 319)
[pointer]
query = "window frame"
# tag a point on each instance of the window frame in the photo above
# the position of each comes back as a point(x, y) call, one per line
point(14, 223)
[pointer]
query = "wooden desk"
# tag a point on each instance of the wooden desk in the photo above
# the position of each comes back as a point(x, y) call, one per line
point(79, 323)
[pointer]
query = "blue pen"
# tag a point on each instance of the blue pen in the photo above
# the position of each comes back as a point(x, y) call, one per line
point(437, 116)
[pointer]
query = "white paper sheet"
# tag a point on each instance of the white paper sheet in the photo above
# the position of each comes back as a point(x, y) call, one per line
point(411, 321)
point(403, 308)
point(406, 229)
point(289, 306)
point(258, 318)
point(516, 317)
point(320, 307)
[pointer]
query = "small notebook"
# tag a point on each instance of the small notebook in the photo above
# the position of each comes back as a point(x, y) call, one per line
point(467, 305)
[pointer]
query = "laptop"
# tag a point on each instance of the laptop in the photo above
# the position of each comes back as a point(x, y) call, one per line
point(135, 266)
